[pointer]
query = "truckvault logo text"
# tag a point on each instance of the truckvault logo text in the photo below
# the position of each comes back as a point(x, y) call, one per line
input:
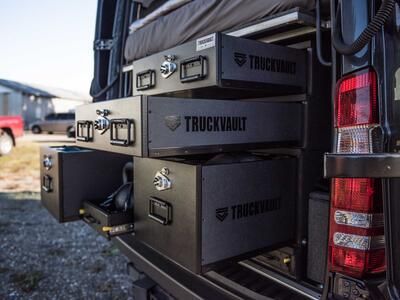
point(240, 58)
point(249, 209)
point(264, 63)
point(215, 124)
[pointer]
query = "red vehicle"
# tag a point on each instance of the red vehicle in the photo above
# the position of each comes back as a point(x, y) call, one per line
point(11, 127)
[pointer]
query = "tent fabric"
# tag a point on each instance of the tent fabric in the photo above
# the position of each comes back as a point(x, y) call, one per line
point(164, 9)
point(199, 18)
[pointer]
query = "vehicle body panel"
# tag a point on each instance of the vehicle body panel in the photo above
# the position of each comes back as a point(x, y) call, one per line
point(14, 123)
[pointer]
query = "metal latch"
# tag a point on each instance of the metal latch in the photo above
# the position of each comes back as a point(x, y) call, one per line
point(103, 44)
point(168, 67)
point(161, 180)
point(47, 162)
point(102, 123)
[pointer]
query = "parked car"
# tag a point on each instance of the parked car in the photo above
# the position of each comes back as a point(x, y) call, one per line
point(55, 122)
point(11, 127)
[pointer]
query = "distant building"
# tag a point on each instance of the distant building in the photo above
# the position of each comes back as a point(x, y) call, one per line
point(34, 102)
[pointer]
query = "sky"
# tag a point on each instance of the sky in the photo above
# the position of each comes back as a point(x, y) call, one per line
point(48, 42)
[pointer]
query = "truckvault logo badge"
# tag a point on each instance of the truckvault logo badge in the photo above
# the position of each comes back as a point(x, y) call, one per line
point(249, 209)
point(173, 122)
point(240, 58)
point(221, 213)
point(215, 123)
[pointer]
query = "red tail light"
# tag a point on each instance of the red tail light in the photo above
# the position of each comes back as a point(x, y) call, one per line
point(356, 100)
point(357, 194)
point(356, 222)
point(358, 263)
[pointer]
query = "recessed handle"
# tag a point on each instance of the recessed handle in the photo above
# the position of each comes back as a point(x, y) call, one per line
point(160, 211)
point(84, 131)
point(141, 78)
point(117, 127)
point(47, 183)
point(186, 64)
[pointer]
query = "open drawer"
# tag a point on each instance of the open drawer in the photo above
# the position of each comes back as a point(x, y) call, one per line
point(108, 223)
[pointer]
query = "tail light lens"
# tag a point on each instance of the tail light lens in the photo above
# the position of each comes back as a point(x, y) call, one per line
point(356, 100)
point(357, 263)
point(357, 246)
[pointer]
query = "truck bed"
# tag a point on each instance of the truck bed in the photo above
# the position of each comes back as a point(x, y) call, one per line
point(245, 278)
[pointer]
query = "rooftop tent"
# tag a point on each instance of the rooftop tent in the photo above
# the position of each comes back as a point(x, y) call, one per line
point(178, 21)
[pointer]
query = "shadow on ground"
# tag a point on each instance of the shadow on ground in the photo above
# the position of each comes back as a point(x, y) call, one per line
point(41, 259)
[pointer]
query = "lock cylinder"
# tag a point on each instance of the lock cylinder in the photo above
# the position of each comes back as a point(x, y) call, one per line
point(161, 180)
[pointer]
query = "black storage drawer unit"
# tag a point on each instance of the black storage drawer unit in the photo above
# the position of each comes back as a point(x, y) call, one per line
point(107, 222)
point(70, 175)
point(221, 66)
point(147, 126)
point(199, 213)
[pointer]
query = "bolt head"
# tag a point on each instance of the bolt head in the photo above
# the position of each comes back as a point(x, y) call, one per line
point(165, 171)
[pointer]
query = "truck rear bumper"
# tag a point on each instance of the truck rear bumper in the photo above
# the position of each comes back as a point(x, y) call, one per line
point(170, 276)
point(241, 280)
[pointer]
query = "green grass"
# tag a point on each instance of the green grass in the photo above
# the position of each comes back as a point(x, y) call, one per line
point(23, 158)
point(19, 171)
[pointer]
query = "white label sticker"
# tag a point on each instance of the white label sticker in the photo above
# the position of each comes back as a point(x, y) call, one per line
point(205, 42)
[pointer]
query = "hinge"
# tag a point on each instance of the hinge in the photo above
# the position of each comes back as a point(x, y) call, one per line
point(103, 44)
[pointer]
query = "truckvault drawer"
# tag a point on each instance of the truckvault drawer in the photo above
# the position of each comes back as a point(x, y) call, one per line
point(221, 66)
point(199, 213)
point(147, 126)
point(107, 222)
point(70, 175)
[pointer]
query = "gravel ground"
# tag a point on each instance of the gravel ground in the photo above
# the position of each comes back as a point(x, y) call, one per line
point(41, 259)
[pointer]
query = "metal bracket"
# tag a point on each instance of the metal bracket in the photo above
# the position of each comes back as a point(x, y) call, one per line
point(377, 165)
point(103, 44)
